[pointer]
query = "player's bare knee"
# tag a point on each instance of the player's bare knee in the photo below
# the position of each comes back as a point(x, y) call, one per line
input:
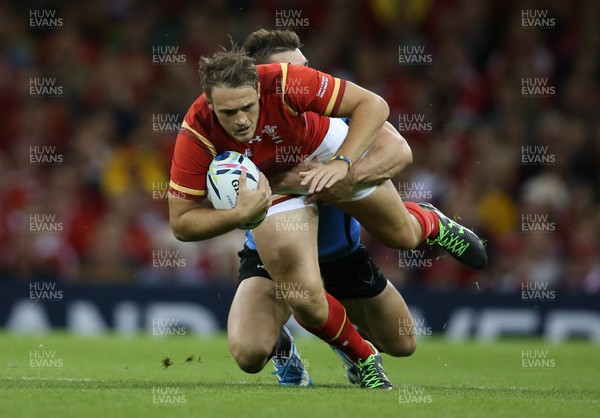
point(406, 156)
point(409, 346)
point(400, 146)
point(250, 359)
point(309, 311)
point(402, 347)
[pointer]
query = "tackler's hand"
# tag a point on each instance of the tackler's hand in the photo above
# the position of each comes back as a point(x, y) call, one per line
point(325, 175)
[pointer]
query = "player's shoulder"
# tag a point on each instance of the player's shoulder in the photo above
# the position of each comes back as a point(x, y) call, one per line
point(275, 77)
point(267, 72)
point(270, 76)
point(198, 113)
point(269, 69)
point(199, 106)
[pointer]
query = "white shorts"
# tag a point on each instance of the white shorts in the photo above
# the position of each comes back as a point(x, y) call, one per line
point(333, 140)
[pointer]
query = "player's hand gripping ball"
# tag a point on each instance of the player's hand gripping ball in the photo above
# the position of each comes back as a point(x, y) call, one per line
point(223, 182)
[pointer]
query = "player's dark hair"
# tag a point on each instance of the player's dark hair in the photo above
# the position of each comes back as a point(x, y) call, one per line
point(232, 68)
point(263, 43)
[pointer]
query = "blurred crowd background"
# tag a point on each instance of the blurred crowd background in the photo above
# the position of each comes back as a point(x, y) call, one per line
point(84, 167)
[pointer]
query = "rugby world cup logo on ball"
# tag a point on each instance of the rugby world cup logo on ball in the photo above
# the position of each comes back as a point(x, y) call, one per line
point(223, 181)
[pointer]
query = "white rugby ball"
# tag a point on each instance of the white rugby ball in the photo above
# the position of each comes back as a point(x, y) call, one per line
point(223, 184)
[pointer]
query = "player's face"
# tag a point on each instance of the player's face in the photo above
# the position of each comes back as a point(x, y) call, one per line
point(294, 57)
point(237, 110)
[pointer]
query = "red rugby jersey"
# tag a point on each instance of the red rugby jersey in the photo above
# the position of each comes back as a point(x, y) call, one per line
point(295, 103)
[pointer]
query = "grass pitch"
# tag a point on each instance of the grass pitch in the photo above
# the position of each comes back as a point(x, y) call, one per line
point(64, 376)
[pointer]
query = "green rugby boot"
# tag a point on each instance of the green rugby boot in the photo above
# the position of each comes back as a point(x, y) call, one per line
point(371, 374)
point(459, 241)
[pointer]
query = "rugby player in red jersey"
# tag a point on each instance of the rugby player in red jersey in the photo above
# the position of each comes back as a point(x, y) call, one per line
point(247, 108)
point(255, 327)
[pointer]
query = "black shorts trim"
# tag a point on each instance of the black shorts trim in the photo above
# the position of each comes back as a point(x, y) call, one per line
point(251, 265)
point(354, 276)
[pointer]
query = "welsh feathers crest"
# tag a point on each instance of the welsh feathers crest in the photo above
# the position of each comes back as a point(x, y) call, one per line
point(271, 131)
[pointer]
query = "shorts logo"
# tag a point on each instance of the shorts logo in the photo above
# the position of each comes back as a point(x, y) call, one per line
point(260, 266)
point(366, 274)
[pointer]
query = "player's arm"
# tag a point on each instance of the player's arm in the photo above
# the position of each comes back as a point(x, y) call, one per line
point(386, 158)
point(192, 218)
point(194, 221)
point(368, 112)
point(285, 181)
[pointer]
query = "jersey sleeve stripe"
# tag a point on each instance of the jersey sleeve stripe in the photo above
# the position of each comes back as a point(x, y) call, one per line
point(186, 190)
point(335, 100)
point(284, 70)
point(202, 139)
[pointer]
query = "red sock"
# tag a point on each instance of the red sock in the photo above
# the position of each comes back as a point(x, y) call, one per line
point(427, 218)
point(339, 332)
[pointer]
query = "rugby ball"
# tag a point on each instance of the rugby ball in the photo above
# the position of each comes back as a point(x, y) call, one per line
point(223, 182)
